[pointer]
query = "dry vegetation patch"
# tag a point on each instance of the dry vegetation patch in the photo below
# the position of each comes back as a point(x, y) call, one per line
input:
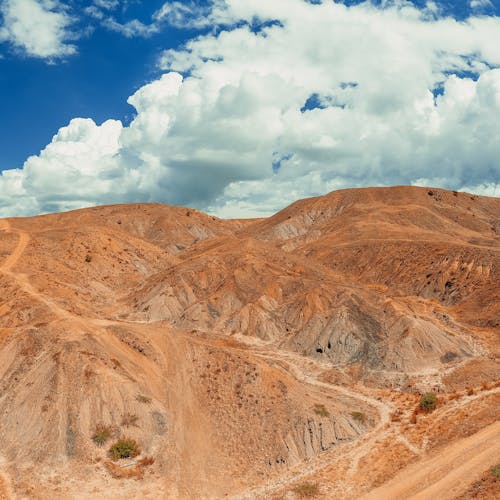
point(321, 410)
point(104, 433)
point(307, 490)
point(130, 420)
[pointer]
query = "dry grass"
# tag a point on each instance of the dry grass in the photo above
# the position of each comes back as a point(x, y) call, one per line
point(307, 490)
point(129, 420)
point(321, 410)
point(104, 433)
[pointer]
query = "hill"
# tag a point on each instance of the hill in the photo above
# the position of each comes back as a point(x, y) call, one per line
point(247, 358)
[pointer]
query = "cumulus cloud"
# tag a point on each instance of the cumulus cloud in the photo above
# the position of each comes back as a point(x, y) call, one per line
point(289, 99)
point(40, 28)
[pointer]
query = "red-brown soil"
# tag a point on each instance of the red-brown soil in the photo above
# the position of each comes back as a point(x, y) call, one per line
point(252, 358)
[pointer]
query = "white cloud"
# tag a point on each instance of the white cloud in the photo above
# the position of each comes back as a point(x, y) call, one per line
point(132, 28)
point(480, 4)
point(106, 4)
point(181, 15)
point(393, 106)
point(38, 27)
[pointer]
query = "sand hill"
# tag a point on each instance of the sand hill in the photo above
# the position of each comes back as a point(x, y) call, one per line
point(275, 358)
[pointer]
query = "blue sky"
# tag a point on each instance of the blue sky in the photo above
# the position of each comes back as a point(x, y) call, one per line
point(40, 95)
point(91, 56)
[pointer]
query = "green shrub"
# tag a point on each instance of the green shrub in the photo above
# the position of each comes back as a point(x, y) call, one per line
point(143, 399)
point(321, 410)
point(103, 433)
point(124, 448)
point(307, 490)
point(428, 402)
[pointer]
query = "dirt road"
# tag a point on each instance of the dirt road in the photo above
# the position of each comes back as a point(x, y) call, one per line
point(446, 474)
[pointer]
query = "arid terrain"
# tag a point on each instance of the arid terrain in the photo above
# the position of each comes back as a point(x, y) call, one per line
point(278, 358)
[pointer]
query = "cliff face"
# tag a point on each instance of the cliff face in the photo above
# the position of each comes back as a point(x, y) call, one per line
point(214, 343)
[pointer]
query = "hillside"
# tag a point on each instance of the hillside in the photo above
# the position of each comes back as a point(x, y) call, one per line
point(249, 358)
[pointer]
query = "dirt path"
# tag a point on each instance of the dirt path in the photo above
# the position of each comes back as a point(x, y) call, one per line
point(23, 282)
point(24, 239)
point(447, 473)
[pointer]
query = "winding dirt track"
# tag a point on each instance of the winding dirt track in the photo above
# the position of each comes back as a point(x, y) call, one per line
point(12, 259)
point(446, 474)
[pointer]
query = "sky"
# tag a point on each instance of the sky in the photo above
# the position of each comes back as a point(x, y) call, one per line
point(240, 107)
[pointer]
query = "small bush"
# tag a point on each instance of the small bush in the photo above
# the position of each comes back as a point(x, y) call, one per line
point(321, 410)
point(130, 419)
point(143, 399)
point(88, 258)
point(103, 433)
point(428, 402)
point(307, 490)
point(124, 448)
point(496, 471)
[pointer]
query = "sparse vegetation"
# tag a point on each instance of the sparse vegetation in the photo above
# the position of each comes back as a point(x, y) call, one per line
point(130, 419)
point(143, 399)
point(88, 258)
point(321, 410)
point(428, 402)
point(103, 433)
point(124, 448)
point(359, 416)
point(496, 471)
point(307, 490)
